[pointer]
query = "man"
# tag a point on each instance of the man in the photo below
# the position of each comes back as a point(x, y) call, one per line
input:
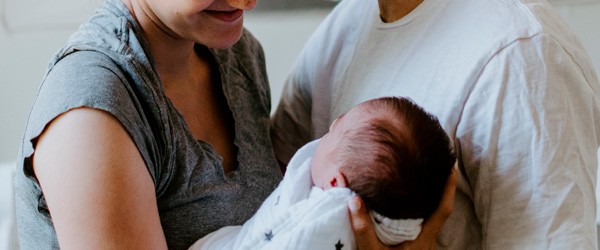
point(509, 83)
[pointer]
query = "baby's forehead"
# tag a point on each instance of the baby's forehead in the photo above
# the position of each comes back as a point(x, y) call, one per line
point(372, 113)
point(365, 109)
point(368, 116)
point(362, 119)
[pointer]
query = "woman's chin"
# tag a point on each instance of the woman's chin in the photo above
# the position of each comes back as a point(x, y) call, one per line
point(222, 40)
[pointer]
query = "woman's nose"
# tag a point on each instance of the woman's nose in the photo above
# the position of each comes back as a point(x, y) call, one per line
point(242, 4)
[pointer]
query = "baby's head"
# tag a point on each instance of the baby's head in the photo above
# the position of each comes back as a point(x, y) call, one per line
point(391, 152)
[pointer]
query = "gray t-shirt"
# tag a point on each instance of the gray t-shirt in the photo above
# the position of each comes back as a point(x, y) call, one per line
point(106, 65)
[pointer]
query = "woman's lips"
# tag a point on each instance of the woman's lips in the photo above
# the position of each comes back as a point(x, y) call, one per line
point(226, 16)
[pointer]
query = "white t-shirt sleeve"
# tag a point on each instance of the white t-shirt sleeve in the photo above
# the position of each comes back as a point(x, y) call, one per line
point(292, 123)
point(529, 164)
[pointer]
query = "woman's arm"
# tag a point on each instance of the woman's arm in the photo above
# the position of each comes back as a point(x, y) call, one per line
point(364, 230)
point(97, 187)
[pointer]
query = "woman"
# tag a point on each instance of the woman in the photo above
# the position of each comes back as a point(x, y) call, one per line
point(151, 138)
point(150, 130)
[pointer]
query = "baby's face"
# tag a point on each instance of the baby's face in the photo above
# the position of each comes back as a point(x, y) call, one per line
point(326, 163)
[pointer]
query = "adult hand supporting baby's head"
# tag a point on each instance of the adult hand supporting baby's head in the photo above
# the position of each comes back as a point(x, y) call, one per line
point(364, 230)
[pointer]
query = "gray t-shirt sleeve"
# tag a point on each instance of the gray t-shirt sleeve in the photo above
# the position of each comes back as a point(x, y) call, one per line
point(80, 79)
point(93, 80)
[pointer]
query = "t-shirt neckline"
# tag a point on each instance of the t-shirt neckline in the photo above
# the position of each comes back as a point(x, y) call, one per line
point(424, 7)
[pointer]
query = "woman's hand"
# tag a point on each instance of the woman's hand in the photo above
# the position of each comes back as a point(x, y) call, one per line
point(364, 230)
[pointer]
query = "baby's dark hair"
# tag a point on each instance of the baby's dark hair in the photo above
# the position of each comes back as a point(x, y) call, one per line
point(398, 163)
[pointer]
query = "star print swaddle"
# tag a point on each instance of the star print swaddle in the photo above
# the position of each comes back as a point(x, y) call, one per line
point(298, 216)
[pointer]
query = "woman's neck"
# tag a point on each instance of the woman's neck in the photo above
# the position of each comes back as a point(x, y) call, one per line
point(171, 53)
point(393, 10)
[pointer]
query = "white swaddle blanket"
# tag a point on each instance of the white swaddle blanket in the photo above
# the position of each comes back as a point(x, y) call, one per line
point(295, 216)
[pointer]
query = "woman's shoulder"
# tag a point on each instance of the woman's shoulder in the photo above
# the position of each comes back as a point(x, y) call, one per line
point(93, 80)
point(80, 72)
point(114, 33)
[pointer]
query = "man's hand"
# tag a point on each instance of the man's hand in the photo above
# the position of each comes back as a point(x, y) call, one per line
point(364, 230)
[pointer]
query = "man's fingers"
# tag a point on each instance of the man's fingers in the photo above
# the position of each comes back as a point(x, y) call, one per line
point(447, 202)
point(436, 221)
point(357, 211)
point(361, 224)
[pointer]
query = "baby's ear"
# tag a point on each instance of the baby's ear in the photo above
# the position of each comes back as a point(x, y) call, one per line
point(339, 180)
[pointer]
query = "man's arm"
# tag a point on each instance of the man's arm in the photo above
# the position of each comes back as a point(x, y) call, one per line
point(291, 124)
point(529, 134)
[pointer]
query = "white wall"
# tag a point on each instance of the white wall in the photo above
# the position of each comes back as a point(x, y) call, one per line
point(282, 35)
point(584, 19)
point(26, 47)
point(23, 58)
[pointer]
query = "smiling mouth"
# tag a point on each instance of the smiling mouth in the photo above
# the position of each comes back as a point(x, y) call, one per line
point(226, 16)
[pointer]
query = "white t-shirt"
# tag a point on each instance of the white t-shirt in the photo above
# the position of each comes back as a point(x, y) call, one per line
point(510, 84)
